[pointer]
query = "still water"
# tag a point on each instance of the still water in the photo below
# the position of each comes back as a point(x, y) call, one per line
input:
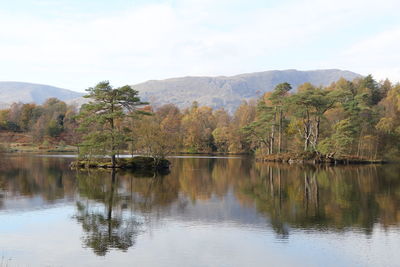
point(205, 212)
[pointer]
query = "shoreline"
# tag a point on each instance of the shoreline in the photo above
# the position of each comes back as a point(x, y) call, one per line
point(136, 163)
point(314, 158)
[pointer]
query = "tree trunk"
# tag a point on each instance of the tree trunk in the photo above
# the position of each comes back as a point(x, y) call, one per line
point(113, 160)
point(280, 131)
point(307, 131)
point(359, 143)
point(307, 135)
point(316, 133)
point(273, 133)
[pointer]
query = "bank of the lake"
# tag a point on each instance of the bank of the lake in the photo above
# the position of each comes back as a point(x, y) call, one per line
point(133, 163)
point(317, 158)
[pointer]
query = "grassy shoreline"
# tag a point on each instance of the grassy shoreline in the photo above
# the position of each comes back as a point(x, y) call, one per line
point(38, 149)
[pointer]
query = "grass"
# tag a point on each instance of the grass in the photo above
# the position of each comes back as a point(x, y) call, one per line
point(30, 147)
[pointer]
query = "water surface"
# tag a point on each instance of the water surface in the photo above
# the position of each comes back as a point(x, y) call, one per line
point(205, 212)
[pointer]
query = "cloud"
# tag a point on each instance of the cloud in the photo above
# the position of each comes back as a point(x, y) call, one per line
point(377, 54)
point(75, 49)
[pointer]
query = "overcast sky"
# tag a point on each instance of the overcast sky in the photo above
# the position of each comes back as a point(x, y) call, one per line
point(74, 43)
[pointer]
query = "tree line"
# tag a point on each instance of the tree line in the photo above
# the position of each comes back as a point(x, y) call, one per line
point(347, 118)
point(54, 119)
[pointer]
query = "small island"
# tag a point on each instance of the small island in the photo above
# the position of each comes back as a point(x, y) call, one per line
point(348, 122)
point(103, 137)
point(136, 164)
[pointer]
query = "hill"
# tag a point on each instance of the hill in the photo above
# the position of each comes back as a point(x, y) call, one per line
point(217, 92)
point(11, 92)
point(229, 92)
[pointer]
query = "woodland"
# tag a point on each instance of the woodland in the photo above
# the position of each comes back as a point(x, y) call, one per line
point(354, 119)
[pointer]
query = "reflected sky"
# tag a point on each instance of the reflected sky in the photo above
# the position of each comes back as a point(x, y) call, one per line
point(206, 212)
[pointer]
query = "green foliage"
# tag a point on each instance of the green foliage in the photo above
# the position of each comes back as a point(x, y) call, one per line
point(270, 120)
point(371, 90)
point(101, 119)
point(45, 143)
point(54, 128)
point(339, 144)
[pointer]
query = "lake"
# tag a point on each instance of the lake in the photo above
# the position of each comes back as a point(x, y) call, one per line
point(205, 212)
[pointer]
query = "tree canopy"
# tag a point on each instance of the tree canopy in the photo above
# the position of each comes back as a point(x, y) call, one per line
point(101, 119)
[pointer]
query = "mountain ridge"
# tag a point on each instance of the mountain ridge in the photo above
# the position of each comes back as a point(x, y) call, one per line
point(215, 91)
point(230, 91)
point(25, 92)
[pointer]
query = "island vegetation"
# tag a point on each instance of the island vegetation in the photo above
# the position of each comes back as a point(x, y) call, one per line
point(347, 121)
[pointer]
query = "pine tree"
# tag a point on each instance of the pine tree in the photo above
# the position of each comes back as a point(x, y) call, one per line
point(101, 117)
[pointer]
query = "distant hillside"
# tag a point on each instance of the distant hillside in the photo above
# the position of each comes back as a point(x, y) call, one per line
point(217, 92)
point(229, 92)
point(11, 92)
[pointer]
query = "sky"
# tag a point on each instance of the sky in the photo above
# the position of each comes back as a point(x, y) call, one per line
point(74, 44)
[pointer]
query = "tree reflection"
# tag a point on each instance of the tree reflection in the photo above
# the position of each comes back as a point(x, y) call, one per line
point(289, 196)
point(323, 197)
point(155, 194)
point(320, 198)
point(106, 227)
point(32, 177)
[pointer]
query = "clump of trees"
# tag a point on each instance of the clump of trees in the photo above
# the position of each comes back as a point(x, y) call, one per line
point(359, 118)
point(53, 119)
point(356, 118)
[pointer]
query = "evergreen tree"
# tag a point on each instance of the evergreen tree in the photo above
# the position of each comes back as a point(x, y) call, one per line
point(101, 118)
